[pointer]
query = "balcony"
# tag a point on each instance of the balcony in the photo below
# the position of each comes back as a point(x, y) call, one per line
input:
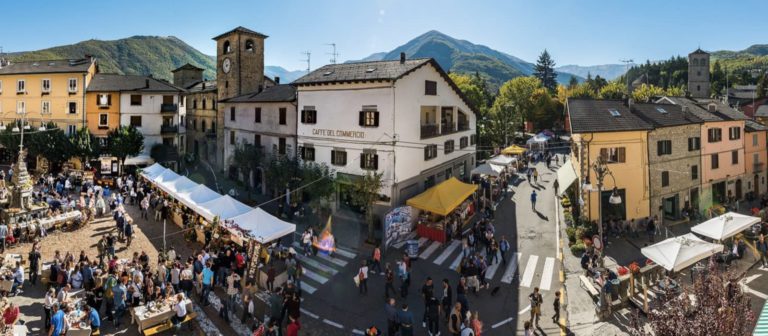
point(165, 129)
point(165, 108)
point(463, 126)
point(448, 128)
point(211, 134)
point(431, 131)
point(757, 167)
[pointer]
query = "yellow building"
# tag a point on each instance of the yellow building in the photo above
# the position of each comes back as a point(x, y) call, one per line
point(102, 107)
point(46, 91)
point(607, 129)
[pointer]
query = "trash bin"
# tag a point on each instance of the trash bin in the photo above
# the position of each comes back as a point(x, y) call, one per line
point(412, 248)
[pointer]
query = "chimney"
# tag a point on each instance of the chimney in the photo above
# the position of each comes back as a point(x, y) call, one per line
point(203, 85)
point(712, 107)
point(277, 80)
point(146, 83)
point(402, 58)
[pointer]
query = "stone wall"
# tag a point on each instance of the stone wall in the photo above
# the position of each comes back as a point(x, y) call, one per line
point(678, 164)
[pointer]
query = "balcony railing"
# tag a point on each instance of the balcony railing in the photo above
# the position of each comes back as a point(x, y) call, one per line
point(169, 129)
point(210, 134)
point(757, 167)
point(428, 131)
point(463, 127)
point(169, 108)
point(448, 128)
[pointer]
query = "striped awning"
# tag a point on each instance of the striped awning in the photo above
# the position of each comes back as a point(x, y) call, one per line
point(761, 329)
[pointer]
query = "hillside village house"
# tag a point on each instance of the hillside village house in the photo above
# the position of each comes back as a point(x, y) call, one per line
point(755, 156)
point(361, 117)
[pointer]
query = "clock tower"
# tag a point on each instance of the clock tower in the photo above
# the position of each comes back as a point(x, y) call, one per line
point(239, 62)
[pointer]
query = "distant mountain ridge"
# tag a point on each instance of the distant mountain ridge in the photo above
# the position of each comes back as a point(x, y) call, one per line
point(607, 71)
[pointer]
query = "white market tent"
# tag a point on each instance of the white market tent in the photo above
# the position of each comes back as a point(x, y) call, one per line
point(178, 185)
point(487, 169)
point(677, 253)
point(725, 226)
point(262, 226)
point(196, 196)
point(166, 176)
point(138, 160)
point(152, 171)
point(224, 207)
point(502, 160)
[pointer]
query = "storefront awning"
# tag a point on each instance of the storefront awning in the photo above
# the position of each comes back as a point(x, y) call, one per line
point(513, 150)
point(565, 177)
point(153, 171)
point(444, 197)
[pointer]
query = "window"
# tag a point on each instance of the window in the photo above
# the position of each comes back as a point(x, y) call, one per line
point(194, 124)
point(282, 116)
point(714, 135)
point(369, 118)
point(72, 85)
point(309, 115)
point(248, 45)
point(203, 125)
point(664, 147)
point(735, 157)
point(448, 147)
point(136, 121)
point(232, 113)
point(698, 73)
point(103, 120)
point(136, 100)
point(227, 47)
point(71, 130)
point(463, 142)
point(338, 157)
point(430, 152)
point(167, 99)
point(104, 100)
point(613, 155)
point(715, 161)
point(45, 86)
point(226, 84)
point(369, 160)
point(754, 139)
point(194, 103)
point(734, 133)
point(307, 153)
point(281, 145)
point(181, 121)
point(472, 139)
point(694, 143)
point(231, 137)
point(45, 107)
point(694, 172)
point(614, 112)
point(665, 179)
point(430, 88)
point(21, 107)
point(257, 140)
point(257, 114)
point(21, 86)
point(204, 103)
point(72, 107)
point(213, 104)
point(698, 88)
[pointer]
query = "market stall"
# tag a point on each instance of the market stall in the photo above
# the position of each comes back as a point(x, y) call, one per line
point(725, 226)
point(538, 142)
point(154, 313)
point(398, 224)
point(677, 253)
point(223, 207)
point(447, 207)
point(513, 150)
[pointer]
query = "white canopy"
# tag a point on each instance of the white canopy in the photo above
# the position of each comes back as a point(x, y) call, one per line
point(262, 226)
point(166, 176)
point(502, 160)
point(225, 207)
point(197, 195)
point(677, 253)
point(566, 175)
point(139, 160)
point(180, 184)
point(487, 169)
point(152, 171)
point(725, 226)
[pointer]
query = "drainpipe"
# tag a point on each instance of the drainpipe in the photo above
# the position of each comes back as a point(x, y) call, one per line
point(84, 121)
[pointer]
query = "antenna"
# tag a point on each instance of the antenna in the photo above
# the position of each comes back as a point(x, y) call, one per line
point(627, 62)
point(334, 54)
point(308, 54)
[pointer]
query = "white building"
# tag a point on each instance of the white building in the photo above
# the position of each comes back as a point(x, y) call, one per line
point(404, 119)
point(266, 119)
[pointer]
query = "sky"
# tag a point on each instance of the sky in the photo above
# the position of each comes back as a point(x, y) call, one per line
point(582, 32)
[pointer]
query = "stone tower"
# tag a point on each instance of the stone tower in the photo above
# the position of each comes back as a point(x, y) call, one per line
point(698, 74)
point(186, 75)
point(239, 62)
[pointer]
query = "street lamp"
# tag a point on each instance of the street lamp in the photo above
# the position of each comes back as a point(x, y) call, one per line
point(601, 171)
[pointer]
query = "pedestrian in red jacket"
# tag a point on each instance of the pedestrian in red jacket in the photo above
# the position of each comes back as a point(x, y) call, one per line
point(293, 327)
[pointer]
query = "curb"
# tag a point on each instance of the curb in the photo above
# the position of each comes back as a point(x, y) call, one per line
point(564, 322)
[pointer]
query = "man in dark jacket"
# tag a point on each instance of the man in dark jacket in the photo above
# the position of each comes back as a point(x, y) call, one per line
point(393, 324)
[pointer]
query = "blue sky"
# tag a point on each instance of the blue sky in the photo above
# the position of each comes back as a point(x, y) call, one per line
point(575, 32)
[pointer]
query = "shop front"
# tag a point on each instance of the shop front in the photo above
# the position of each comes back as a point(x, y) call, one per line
point(445, 209)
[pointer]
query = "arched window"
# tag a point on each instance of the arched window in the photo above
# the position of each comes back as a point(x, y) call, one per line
point(203, 125)
point(703, 62)
point(227, 48)
point(194, 103)
point(695, 61)
point(203, 103)
point(249, 45)
point(698, 88)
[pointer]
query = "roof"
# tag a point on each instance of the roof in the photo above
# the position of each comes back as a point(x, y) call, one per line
point(277, 93)
point(593, 116)
point(724, 111)
point(699, 51)
point(443, 198)
point(49, 66)
point(202, 86)
point(115, 82)
point(187, 67)
point(242, 30)
point(665, 115)
point(753, 126)
point(693, 107)
point(375, 71)
point(762, 111)
point(640, 80)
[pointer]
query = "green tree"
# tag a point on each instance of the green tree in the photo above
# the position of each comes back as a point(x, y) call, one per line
point(513, 105)
point(247, 158)
point(544, 70)
point(125, 141)
point(547, 112)
point(613, 90)
point(319, 186)
point(470, 88)
point(583, 90)
point(53, 145)
point(675, 91)
point(365, 194)
point(644, 93)
point(718, 78)
point(83, 145)
point(573, 82)
point(282, 171)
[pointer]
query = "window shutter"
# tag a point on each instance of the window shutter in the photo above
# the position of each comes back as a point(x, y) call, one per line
point(659, 148)
point(109, 99)
point(362, 161)
point(344, 158)
point(376, 162)
point(376, 119)
point(622, 156)
point(361, 118)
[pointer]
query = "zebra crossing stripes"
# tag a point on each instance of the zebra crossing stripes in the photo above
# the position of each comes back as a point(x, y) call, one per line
point(530, 270)
point(337, 261)
point(447, 252)
point(456, 262)
point(307, 288)
point(345, 253)
point(314, 276)
point(423, 241)
point(407, 238)
point(491, 271)
point(431, 249)
point(546, 276)
point(307, 261)
point(509, 274)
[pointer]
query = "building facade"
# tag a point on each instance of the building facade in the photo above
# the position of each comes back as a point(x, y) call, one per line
point(755, 157)
point(698, 74)
point(102, 108)
point(359, 118)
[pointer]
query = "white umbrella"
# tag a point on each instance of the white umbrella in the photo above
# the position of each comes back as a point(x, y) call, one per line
point(725, 226)
point(677, 253)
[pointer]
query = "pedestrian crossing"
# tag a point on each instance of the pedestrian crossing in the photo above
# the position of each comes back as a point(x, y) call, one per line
point(531, 270)
point(320, 268)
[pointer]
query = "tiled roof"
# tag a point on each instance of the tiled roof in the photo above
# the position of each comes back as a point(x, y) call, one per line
point(693, 107)
point(115, 82)
point(241, 29)
point(723, 110)
point(187, 67)
point(753, 126)
point(591, 115)
point(361, 71)
point(762, 111)
point(277, 93)
point(52, 66)
point(699, 51)
point(664, 115)
point(202, 86)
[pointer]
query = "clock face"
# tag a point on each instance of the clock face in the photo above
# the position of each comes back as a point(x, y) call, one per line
point(226, 65)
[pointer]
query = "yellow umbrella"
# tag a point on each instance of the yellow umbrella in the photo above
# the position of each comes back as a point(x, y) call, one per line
point(513, 150)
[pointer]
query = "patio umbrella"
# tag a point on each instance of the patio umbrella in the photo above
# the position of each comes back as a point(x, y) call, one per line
point(677, 253)
point(725, 226)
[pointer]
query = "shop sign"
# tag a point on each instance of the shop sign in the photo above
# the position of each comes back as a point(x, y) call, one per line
point(338, 133)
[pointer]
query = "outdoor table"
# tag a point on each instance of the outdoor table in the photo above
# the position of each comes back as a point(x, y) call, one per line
point(15, 330)
point(76, 328)
point(145, 319)
point(6, 285)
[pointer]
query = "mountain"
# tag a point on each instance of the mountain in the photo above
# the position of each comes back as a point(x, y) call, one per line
point(463, 56)
point(136, 55)
point(607, 71)
point(286, 76)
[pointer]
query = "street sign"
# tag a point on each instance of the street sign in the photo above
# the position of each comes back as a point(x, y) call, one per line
point(597, 242)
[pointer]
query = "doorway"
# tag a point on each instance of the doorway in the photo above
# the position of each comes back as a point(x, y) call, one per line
point(718, 192)
point(738, 189)
point(756, 182)
point(694, 197)
point(671, 207)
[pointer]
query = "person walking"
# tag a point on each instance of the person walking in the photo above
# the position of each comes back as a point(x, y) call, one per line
point(207, 281)
point(556, 305)
point(34, 264)
point(405, 318)
point(362, 276)
point(393, 324)
point(389, 278)
point(376, 260)
point(432, 312)
point(535, 176)
point(533, 200)
point(476, 324)
point(3, 235)
point(556, 186)
point(504, 248)
point(455, 320)
point(762, 248)
point(447, 299)
point(536, 300)
point(427, 292)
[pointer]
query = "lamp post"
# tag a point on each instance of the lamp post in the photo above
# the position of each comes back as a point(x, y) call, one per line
point(601, 171)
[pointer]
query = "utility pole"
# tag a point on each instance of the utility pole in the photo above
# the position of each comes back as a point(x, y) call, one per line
point(627, 62)
point(307, 54)
point(333, 54)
